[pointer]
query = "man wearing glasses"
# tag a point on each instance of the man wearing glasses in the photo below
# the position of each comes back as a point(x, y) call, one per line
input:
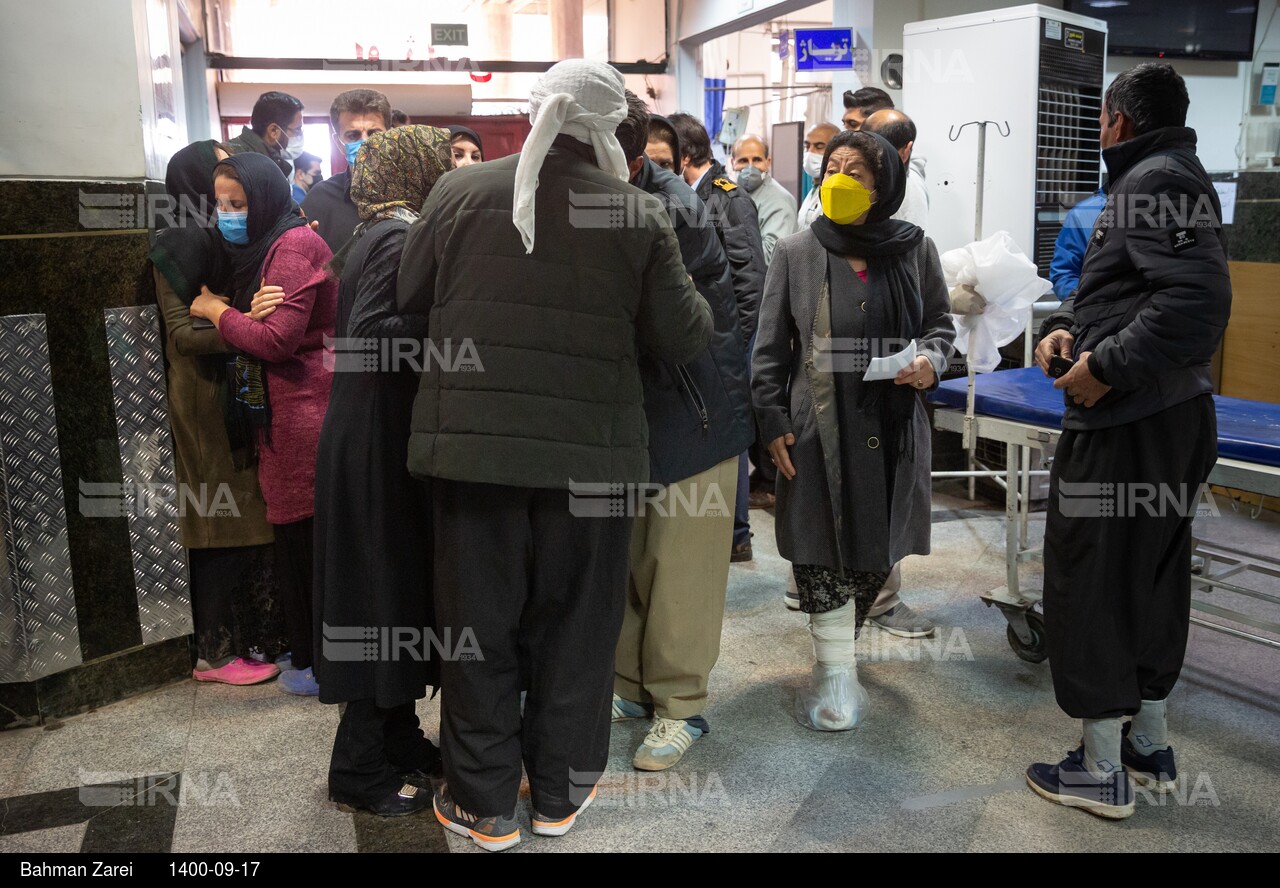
point(275, 129)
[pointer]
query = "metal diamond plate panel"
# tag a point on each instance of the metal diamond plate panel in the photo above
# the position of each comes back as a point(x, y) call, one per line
point(150, 496)
point(39, 634)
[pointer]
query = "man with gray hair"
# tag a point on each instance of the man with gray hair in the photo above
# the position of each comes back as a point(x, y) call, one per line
point(558, 273)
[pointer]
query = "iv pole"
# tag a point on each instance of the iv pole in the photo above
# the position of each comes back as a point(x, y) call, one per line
point(970, 440)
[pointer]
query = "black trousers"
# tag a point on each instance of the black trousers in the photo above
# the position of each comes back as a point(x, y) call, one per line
point(295, 543)
point(216, 574)
point(1117, 557)
point(372, 749)
point(233, 601)
point(543, 592)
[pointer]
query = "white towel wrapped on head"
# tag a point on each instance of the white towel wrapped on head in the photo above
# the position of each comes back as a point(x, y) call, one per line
point(582, 99)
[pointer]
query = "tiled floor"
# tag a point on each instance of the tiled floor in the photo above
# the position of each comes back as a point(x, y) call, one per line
point(937, 766)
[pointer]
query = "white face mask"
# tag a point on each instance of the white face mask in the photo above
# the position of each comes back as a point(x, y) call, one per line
point(812, 164)
point(293, 150)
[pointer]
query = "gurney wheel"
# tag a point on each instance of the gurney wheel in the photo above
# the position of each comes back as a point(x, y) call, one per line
point(1037, 651)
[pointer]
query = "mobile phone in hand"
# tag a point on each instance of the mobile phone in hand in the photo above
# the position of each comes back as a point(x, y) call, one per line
point(1059, 366)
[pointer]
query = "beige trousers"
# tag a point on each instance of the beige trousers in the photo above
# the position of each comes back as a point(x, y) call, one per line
point(675, 602)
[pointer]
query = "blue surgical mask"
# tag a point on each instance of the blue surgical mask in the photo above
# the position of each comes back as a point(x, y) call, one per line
point(234, 226)
point(352, 148)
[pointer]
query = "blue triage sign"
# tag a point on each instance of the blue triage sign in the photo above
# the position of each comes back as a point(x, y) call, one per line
point(824, 49)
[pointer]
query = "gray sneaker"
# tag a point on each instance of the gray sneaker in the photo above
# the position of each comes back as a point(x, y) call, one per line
point(490, 833)
point(903, 622)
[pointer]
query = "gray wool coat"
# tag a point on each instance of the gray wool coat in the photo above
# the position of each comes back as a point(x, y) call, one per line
point(793, 395)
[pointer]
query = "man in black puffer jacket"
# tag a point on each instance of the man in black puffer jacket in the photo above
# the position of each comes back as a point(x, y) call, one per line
point(557, 295)
point(1139, 439)
point(699, 415)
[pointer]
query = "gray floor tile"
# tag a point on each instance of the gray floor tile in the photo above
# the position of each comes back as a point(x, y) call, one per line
point(937, 765)
point(143, 735)
point(57, 840)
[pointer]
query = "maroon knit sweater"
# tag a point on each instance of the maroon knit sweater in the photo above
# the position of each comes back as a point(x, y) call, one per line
point(290, 344)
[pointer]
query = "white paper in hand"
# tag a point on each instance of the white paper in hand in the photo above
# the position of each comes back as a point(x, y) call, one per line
point(889, 366)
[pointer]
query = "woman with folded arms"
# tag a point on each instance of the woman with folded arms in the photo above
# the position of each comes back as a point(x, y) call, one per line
point(280, 384)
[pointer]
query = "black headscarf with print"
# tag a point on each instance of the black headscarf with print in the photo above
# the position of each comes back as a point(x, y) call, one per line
point(272, 212)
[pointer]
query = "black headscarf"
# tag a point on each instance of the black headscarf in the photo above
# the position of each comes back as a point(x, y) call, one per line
point(895, 312)
point(185, 249)
point(272, 212)
point(457, 131)
point(667, 131)
point(190, 176)
point(880, 235)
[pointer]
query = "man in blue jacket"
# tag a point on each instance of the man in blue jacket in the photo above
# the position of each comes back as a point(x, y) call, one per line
point(1073, 240)
point(1139, 438)
point(700, 420)
point(737, 225)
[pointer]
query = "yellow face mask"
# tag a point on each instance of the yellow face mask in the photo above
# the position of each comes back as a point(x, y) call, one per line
point(844, 198)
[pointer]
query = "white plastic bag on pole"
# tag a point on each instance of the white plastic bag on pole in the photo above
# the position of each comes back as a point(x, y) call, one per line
point(1009, 282)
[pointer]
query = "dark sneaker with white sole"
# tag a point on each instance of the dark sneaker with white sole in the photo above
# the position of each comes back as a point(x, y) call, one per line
point(1070, 783)
point(409, 799)
point(558, 826)
point(490, 833)
point(1154, 770)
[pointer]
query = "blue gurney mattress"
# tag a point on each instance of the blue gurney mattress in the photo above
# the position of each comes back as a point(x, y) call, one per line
point(1248, 431)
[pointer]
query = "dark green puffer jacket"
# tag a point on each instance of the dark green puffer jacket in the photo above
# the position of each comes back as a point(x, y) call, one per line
point(557, 333)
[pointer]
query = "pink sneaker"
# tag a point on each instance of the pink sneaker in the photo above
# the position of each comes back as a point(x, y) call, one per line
point(238, 672)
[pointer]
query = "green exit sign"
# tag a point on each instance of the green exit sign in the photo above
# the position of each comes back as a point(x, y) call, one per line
point(448, 35)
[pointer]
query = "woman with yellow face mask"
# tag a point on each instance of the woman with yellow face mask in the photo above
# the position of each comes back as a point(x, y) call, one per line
point(853, 456)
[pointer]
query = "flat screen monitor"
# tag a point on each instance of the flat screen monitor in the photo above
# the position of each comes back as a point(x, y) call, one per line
point(1189, 29)
point(785, 146)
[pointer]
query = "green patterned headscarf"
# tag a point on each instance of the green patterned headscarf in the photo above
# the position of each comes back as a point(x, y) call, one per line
point(392, 176)
point(396, 169)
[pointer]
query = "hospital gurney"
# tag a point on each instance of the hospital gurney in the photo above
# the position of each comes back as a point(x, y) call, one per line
point(1022, 409)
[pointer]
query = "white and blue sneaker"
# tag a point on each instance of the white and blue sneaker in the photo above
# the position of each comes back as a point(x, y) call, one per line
point(667, 742)
point(624, 709)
